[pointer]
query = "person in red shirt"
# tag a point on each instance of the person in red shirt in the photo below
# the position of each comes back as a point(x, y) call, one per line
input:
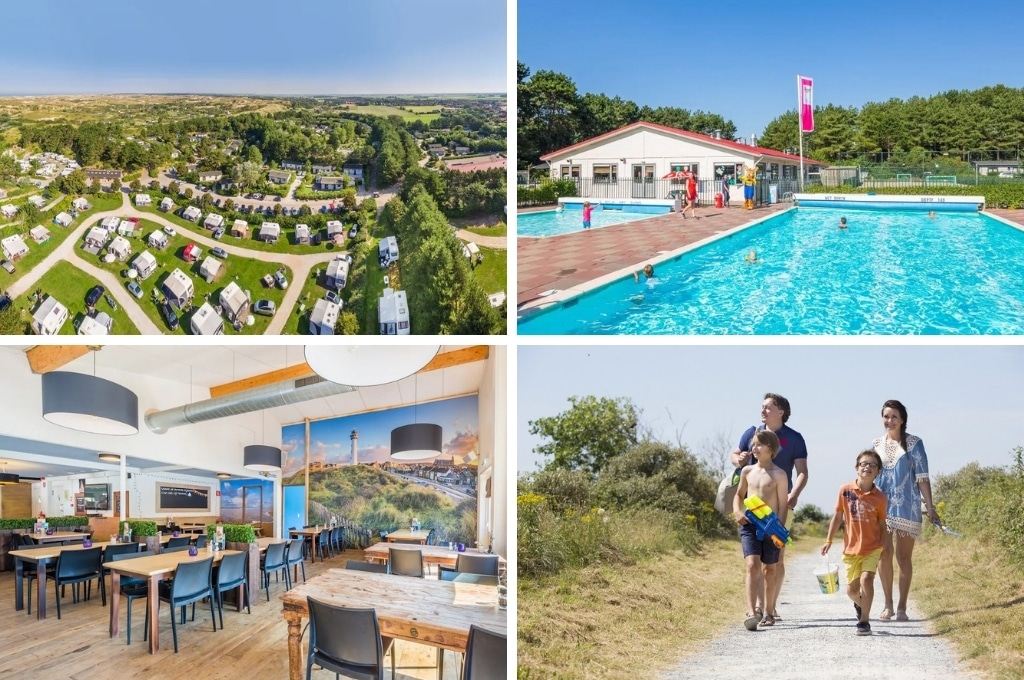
point(587, 209)
point(691, 195)
point(862, 505)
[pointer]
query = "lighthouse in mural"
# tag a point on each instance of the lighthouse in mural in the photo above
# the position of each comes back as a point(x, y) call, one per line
point(355, 447)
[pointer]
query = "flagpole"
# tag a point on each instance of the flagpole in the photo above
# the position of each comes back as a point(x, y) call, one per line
point(799, 126)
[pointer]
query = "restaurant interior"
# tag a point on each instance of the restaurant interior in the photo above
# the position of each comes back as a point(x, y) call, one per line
point(336, 507)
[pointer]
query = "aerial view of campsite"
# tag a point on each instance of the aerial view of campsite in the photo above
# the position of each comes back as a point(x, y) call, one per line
point(289, 207)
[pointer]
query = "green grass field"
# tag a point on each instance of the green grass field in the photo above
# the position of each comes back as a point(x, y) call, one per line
point(406, 116)
point(69, 285)
point(493, 273)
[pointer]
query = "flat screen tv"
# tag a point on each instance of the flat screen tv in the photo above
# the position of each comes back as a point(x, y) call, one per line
point(97, 497)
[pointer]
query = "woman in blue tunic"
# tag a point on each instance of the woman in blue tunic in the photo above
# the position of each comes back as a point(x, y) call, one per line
point(904, 481)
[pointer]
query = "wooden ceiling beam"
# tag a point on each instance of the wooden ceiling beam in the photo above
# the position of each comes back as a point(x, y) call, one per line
point(456, 357)
point(46, 358)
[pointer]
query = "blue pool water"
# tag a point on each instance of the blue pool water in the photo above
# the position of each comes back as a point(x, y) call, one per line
point(889, 273)
point(553, 222)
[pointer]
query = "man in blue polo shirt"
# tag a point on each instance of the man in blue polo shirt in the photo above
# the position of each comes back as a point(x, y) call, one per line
point(792, 454)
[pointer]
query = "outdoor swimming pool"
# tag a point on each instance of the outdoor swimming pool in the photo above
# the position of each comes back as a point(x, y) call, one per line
point(890, 272)
point(554, 222)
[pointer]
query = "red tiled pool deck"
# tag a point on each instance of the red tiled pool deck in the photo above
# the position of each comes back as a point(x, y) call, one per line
point(571, 261)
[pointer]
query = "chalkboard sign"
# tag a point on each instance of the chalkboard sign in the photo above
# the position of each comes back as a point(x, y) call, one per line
point(171, 497)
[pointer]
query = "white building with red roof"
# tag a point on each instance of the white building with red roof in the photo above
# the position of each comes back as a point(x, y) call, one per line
point(630, 162)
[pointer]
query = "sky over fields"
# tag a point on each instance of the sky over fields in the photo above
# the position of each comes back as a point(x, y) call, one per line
point(253, 47)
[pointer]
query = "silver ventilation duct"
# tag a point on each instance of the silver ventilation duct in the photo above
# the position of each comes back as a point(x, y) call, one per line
point(258, 399)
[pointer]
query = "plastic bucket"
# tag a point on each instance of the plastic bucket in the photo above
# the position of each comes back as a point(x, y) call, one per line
point(828, 578)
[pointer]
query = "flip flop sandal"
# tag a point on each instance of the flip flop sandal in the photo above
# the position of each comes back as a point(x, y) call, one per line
point(768, 620)
point(886, 615)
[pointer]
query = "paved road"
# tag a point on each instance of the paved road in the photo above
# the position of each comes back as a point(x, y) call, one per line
point(499, 242)
point(816, 640)
point(300, 266)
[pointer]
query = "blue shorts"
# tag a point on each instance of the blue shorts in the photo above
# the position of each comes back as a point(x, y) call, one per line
point(586, 224)
point(765, 549)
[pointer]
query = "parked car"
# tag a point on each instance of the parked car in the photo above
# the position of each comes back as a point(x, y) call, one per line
point(93, 296)
point(314, 239)
point(170, 317)
point(347, 258)
point(332, 296)
point(264, 307)
point(5, 301)
point(218, 232)
point(376, 194)
point(170, 231)
point(219, 252)
point(353, 231)
point(282, 282)
point(8, 267)
point(111, 301)
point(277, 199)
point(135, 289)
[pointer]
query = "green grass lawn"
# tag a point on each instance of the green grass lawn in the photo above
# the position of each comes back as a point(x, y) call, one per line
point(69, 285)
point(37, 252)
point(247, 272)
point(493, 273)
point(498, 230)
point(385, 111)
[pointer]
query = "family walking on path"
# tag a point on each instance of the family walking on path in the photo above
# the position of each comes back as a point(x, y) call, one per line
point(881, 510)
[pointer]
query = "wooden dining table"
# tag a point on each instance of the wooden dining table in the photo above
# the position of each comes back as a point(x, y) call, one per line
point(432, 554)
point(59, 537)
point(408, 535)
point(39, 556)
point(153, 568)
point(435, 613)
point(313, 534)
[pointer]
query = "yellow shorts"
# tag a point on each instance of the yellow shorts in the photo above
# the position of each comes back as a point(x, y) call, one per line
point(857, 564)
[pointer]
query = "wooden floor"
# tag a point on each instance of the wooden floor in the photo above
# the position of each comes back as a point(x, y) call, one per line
point(250, 647)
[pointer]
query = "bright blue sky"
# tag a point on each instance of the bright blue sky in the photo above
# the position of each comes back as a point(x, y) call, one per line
point(254, 47)
point(458, 419)
point(741, 60)
point(964, 402)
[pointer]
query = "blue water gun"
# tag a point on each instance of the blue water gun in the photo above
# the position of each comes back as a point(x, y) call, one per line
point(766, 522)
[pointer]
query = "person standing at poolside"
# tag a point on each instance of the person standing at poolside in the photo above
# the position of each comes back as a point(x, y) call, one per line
point(587, 210)
point(904, 481)
point(691, 195)
point(725, 191)
point(775, 412)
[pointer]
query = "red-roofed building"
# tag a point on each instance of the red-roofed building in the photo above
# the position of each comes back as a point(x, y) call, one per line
point(629, 163)
point(476, 163)
point(191, 252)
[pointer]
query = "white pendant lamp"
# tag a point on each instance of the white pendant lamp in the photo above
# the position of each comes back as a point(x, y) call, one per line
point(364, 365)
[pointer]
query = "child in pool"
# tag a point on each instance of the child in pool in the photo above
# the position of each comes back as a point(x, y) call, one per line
point(842, 223)
point(751, 258)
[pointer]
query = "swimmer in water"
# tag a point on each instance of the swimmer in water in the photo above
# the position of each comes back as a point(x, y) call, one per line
point(842, 223)
point(931, 214)
point(751, 257)
point(648, 271)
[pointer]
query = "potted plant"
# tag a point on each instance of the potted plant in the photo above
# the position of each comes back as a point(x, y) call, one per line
point(143, 529)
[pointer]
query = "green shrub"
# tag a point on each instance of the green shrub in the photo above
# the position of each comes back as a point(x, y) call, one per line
point(547, 192)
point(142, 527)
point(987, 502)
point(235, 533)
point(64, 522)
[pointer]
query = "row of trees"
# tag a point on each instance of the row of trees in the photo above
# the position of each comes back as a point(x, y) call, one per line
point(552, 115)
point(460, 194)
point(444, 296)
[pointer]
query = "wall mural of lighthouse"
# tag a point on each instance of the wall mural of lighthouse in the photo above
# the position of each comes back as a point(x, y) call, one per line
point(353, 479)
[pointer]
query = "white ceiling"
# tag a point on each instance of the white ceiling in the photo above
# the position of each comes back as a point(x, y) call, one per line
point(198, 368)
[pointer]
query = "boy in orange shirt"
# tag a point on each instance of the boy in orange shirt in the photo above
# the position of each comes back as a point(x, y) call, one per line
point(862, 506)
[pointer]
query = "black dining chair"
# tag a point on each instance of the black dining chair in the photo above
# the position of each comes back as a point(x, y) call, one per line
point(407, 541)
point(192, 582)
point(233, 572)
point(337, 540)
point(178, 541)
point(274, 562)
point(404, 562)
point(375, 567)
point(77, 567)
point(117, 549)
point(177, 548)
point(295, 556)
point(485, 655)
point(477, 564)
point(29, 575)
point(346, 641)
point(323, 543)
point(201, 540)
point(132, 587)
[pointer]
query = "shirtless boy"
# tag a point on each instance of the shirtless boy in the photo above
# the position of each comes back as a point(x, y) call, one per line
point(768, 482)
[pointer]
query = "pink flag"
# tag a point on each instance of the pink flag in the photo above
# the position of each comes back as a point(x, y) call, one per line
point(806, 108)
